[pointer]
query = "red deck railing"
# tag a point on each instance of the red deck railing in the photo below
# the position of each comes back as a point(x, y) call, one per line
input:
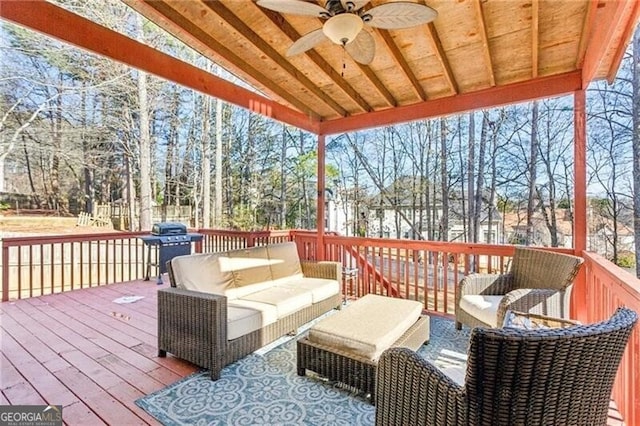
point(35, 266)
point(426, 271)
point(607, 287)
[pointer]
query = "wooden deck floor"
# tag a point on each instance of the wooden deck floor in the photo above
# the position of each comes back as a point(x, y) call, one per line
point(81, 350)
point(92, 356)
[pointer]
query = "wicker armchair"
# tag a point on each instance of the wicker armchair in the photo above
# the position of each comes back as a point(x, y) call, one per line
point(561, 376)
point(539, 282)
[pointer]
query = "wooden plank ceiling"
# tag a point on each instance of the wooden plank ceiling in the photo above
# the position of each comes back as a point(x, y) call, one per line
point(472, 45)
point(475, 54)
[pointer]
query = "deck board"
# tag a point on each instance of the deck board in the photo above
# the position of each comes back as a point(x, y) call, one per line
point(85, 352)
point(81, 350)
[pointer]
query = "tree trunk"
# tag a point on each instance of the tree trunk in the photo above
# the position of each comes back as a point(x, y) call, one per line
point(131, 193)
point(444, 222)
point(206, 161)
point(145, 144)
point(217, 209)
point(636, 146)
point(283, 180)
point(477, 202)
point(463, 200)
point(532, 173)
point(471, 178)
point(171, 195)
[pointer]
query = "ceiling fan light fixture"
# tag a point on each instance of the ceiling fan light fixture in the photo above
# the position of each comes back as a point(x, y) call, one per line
point(342, 29)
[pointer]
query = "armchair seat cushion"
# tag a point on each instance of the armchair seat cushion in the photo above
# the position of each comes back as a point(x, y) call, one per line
point(482, 307)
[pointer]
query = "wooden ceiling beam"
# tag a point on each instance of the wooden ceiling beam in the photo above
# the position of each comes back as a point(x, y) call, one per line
point(587, 28)
point(264, 47)
point(52, 20)
point(161, 9)
point(294, 35)
point(626, 36)
point(442, 58)
point(379, 85)
point(402, 63)
point(482, 27)
point(542, 87)
point(535, 20)
point(608, 20)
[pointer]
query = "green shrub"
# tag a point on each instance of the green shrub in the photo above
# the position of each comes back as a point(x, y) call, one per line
point(626, 260)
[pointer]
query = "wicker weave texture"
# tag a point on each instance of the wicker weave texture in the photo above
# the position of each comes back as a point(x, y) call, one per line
point(349, 368)
point(558, 376)
point(193, 325)
point(539, 282)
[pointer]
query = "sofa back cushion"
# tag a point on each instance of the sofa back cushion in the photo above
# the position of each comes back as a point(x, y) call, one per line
point(204, 272)
point(249, 266)
point(284, 260)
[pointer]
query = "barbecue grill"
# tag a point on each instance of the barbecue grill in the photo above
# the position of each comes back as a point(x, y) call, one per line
point(169, 239)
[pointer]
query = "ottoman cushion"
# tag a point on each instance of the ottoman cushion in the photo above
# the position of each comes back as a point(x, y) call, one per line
point(368, 326)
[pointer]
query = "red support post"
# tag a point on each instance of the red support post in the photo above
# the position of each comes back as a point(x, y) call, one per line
point(321, 191)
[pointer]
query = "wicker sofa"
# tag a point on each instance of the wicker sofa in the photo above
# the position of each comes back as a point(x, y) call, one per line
point(223, 306)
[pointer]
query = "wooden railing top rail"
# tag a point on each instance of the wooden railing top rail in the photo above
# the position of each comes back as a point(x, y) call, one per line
point(441, 246)
point(629, 285)
point(228, 232)
point(55, 239)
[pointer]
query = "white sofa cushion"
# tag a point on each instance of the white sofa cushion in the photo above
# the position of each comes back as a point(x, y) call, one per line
point(284, 260)
point(482, 307)
point(320, 288)
point(242, 320)
point(286, 300)
point(268, 314)
point(205, 272)
point(368, 326)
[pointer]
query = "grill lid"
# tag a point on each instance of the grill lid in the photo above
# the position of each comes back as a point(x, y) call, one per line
point(169, 228)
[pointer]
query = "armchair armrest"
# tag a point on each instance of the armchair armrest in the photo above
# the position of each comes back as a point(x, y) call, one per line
point(325, 269)
point(193, 326)
point(534, 321)
point(548, 302)
point(412, 391)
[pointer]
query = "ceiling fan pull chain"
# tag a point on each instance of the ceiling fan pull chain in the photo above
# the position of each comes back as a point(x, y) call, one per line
point(344, 63)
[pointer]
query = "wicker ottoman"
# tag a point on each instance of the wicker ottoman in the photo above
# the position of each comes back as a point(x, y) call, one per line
point(345, 347)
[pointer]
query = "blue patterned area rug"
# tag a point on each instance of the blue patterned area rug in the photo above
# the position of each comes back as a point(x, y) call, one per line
point(264, 389)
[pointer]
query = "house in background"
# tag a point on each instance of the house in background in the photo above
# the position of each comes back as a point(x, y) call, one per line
point(401, 211)
point(600, 237)
point(340, 214)
point(515, 228)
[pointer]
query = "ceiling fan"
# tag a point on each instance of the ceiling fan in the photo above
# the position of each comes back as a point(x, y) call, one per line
point(345, 20)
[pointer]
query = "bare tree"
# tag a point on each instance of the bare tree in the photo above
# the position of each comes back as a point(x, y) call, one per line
point(444, 182)
point(533, 164)
point(145, 142)
point(636, 145)
point(471, 177)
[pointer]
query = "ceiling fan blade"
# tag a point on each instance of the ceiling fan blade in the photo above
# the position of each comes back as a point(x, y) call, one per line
point(306, 42)
point(295, 7)
point(355, 4)
point(396, 15)
point(363, 48)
